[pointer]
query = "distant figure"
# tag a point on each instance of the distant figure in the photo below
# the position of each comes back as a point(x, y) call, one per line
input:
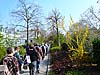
point(11, 62)
point(46, 48)
point(43, 50)
point(19, 58)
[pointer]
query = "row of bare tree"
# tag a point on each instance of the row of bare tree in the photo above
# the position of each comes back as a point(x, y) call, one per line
point(28, 16)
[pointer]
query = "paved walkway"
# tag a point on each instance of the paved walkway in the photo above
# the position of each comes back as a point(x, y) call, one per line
point(43, 67)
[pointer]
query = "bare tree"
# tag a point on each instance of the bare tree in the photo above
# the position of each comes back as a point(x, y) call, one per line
point(26, 14)
point(91, 17)
point(54, 19)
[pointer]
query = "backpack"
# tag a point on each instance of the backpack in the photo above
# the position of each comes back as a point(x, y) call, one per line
point(33, 55)
point(38, 50)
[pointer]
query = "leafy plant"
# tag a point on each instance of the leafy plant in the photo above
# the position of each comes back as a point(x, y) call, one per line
point(75, 39)
point(96, 51)
point(74, 73)
point(22, 51)
point(54, 49)
point(51, 73)
point(2, 47)
point(3, 52)
point(39, 40)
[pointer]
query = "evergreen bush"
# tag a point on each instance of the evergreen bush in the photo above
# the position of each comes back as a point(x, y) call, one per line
point(96, 51)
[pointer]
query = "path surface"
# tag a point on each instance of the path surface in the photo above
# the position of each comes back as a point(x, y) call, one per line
point(43, 68)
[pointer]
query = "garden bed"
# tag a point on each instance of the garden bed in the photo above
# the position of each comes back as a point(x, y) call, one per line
point(61, 64)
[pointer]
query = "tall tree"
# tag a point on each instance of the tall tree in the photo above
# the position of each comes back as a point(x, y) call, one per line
point(91, 17)
point(55, 19)
point(26, 14)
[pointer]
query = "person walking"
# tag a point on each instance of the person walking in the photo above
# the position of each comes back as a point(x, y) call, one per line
point(25, 56)
point(43, 50)
point(19, 58)
point(11, 62)
point(33, 57)
point(40, 53)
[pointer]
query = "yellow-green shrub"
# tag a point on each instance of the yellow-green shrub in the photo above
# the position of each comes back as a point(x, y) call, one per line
point(54, 49)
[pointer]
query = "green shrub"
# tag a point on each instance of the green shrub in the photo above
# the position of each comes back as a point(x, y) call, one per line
point(54, 49)
point(22, 51)
point(96, 51)
point(51, 73)
point(3, 52)
point(74, 73)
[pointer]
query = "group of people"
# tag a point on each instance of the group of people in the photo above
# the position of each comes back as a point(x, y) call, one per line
point(36, 53)
point(14, 59)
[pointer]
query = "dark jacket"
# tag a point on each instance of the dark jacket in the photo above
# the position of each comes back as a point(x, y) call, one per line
point(33, 55)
